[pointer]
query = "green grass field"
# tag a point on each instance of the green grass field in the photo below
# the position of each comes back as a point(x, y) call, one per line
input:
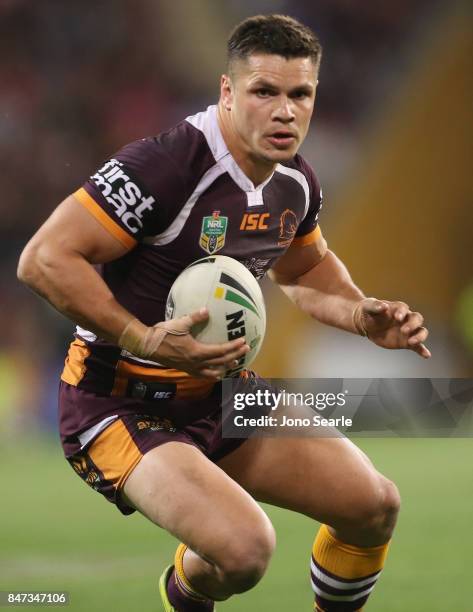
point(57, 534)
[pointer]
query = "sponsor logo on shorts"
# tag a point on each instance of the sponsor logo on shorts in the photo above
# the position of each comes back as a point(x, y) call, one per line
point(131, 202)
point(163, 394)
point(86, 470)
point(151, 390)
point(158, 424)
point(214, 229)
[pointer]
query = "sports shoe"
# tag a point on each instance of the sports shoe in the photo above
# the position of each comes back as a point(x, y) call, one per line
point(163, 591)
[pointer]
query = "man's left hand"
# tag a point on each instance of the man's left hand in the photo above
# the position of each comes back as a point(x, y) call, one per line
point(391, 325)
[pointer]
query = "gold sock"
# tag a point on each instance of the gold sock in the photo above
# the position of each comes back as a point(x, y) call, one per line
point(182, 582)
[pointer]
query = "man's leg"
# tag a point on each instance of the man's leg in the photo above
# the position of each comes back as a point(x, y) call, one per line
point(332, 481)
point(229, 538)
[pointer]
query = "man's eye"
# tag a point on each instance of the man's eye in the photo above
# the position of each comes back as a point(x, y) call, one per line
point(300, 95)
point(263, 93)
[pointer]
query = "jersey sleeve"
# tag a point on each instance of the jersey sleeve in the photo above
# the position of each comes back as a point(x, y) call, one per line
point(130, 194)
point(309, 230)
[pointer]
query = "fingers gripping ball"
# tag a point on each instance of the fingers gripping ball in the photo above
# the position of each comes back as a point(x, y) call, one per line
point(233, 298)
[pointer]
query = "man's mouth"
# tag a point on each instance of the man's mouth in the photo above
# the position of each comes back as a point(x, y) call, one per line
point(282, 138)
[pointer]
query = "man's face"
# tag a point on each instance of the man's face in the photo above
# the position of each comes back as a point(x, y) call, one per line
point(270, 100)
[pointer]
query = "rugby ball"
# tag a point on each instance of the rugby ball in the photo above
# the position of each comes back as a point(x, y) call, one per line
point(233, 298)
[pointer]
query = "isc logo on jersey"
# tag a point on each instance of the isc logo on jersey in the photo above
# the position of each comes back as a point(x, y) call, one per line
point(123, 194)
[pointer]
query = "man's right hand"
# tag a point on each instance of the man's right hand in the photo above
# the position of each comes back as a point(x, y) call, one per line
point(171, 344)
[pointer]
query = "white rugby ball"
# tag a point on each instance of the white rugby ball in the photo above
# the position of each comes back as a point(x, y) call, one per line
point(233, 298)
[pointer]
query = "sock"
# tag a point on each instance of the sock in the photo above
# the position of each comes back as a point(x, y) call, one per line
point(343, 575)
point(181, 593)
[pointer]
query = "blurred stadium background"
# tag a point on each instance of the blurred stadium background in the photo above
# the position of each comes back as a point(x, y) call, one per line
point(391, 142)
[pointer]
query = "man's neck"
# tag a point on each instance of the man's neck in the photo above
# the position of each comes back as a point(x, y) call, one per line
point(256, 170)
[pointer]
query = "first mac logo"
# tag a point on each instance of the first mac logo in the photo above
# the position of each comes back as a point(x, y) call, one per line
point(123, 194)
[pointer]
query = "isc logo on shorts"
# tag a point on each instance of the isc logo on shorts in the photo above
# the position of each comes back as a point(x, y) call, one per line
point(123, 194)
point(163, 395)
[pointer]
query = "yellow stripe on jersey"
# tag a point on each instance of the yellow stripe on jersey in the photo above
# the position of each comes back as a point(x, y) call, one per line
point(74, 367)
point(107, 222)
point(307, 239)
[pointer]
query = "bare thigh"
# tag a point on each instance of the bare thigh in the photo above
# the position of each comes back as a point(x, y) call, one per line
point(178, 488)
point(328, 479)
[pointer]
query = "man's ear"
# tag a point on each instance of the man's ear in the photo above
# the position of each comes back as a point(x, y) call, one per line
point(226, 92)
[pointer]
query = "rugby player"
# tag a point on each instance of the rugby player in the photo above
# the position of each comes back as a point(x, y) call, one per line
point(140, 419)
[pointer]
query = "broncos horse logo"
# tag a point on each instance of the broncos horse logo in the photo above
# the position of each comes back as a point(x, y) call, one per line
point(287, 227)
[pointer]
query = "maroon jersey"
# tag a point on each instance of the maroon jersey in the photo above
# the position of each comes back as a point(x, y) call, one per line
point(173, 199)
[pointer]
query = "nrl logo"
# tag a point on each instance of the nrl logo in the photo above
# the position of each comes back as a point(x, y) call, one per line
point(214, 228)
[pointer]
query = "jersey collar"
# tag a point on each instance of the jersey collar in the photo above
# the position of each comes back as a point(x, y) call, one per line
point(207, 123)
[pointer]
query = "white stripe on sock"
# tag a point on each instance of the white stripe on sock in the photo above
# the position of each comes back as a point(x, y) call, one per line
point(337, 584)
point(331, 597)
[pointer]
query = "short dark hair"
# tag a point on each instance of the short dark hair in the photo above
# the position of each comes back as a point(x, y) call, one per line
point(274, 35)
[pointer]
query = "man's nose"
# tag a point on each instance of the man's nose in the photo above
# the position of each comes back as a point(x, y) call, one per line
point(284, 110)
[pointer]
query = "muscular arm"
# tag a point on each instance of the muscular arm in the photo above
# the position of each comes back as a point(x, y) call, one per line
point(58, 264)
point(317, 281)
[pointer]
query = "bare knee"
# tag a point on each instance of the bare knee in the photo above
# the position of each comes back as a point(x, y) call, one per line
point(392, 500)
point(372, 518)
point(246, 558)
point(384, 511)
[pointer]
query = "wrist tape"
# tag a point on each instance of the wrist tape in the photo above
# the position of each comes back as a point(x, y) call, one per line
point(143, 341)
point(358, 320)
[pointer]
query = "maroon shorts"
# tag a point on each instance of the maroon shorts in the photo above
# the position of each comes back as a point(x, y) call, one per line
point(106, 461)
